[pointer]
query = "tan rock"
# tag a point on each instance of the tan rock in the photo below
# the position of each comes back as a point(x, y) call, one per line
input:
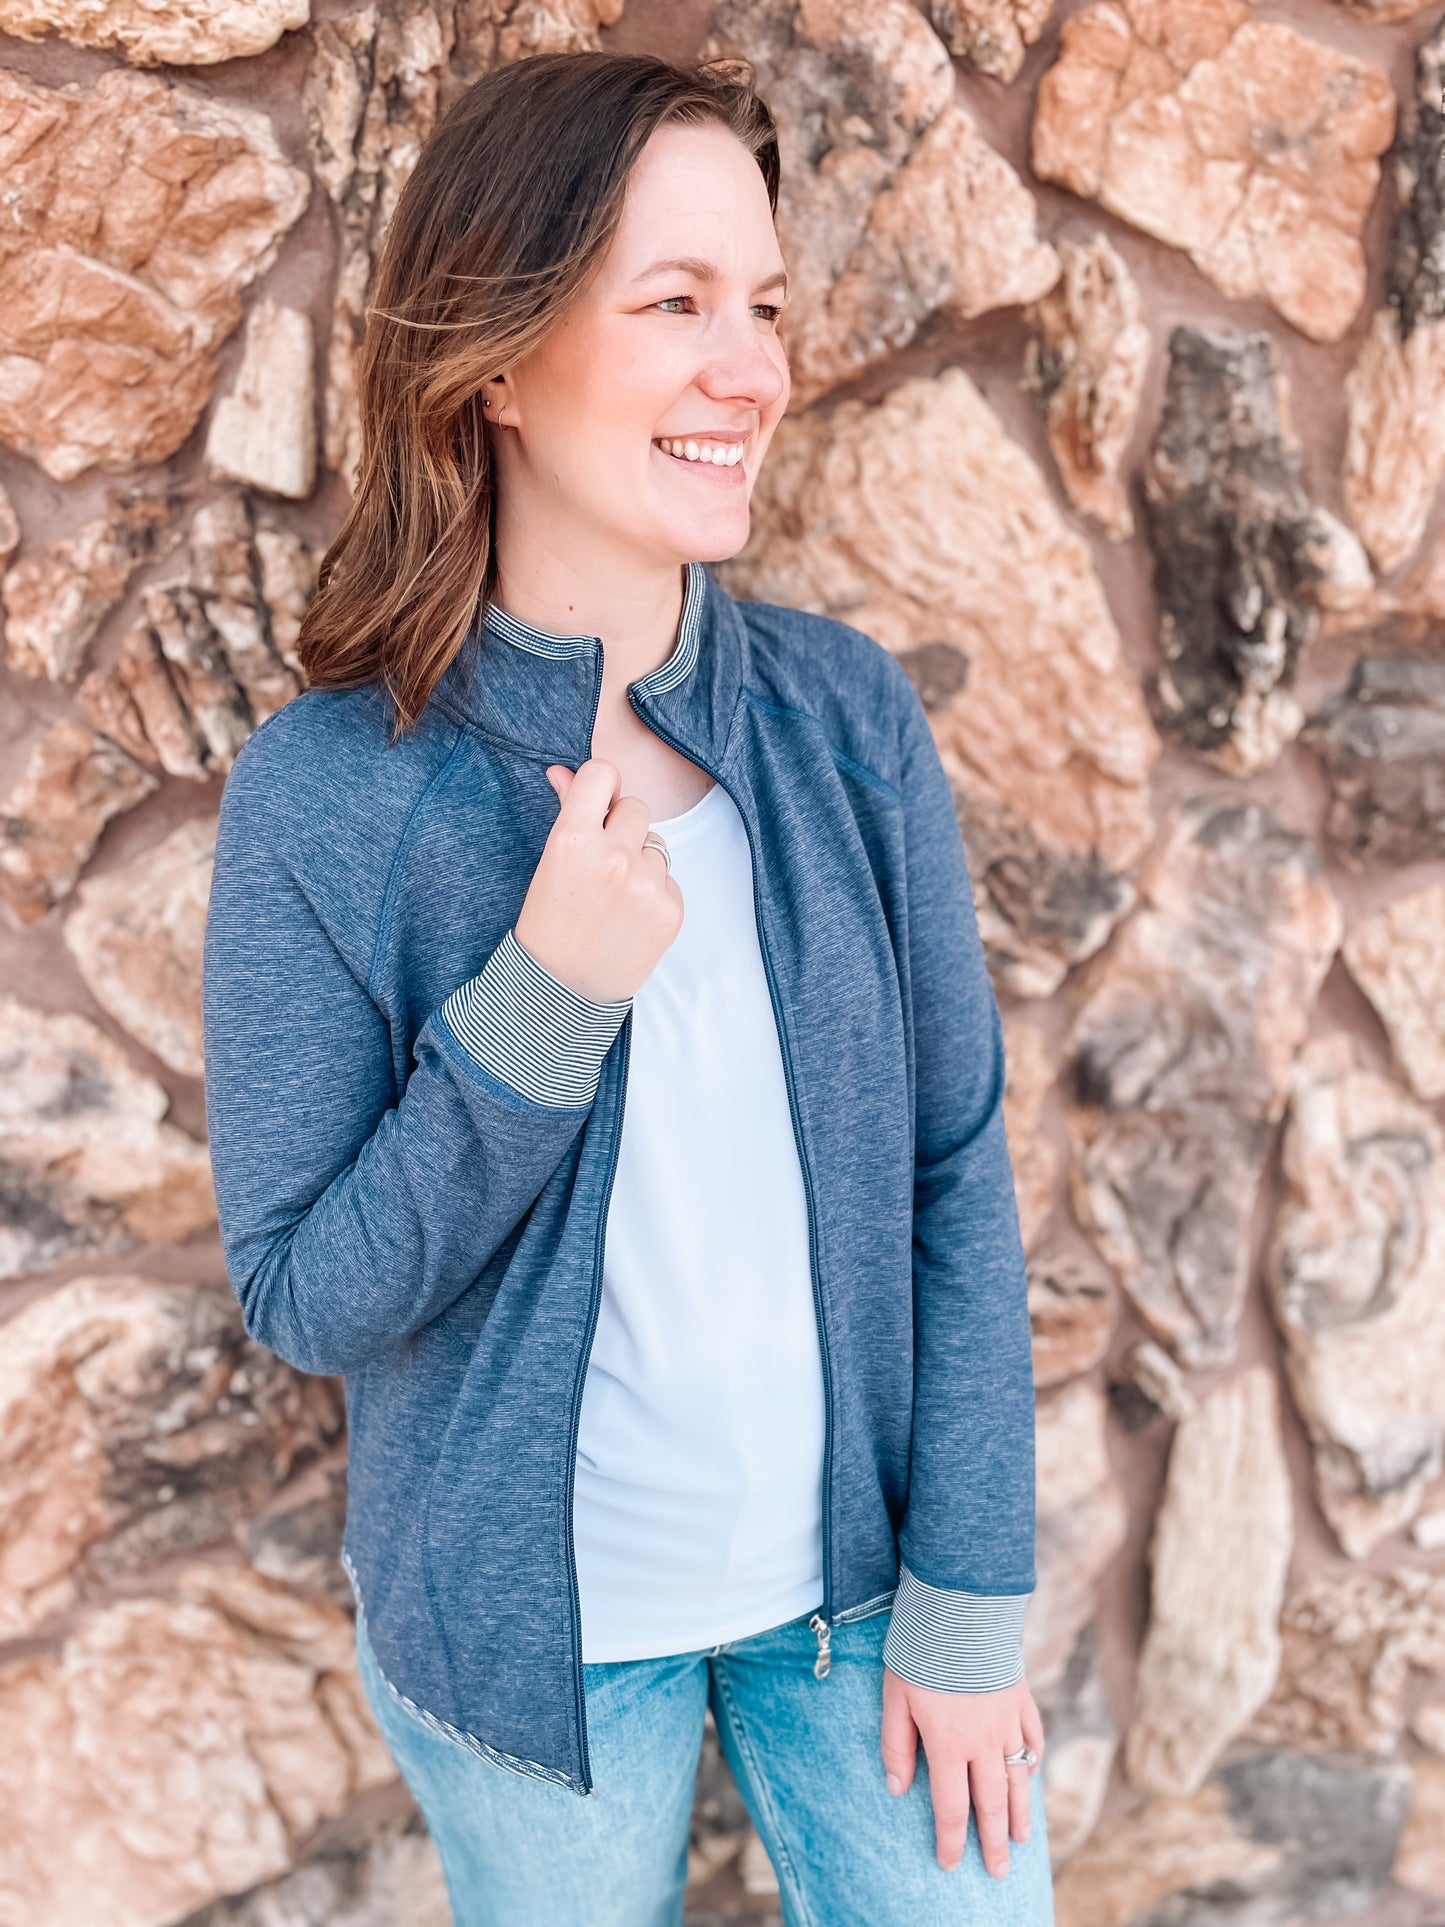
point(1427, 1723)
point(1185, 1040)
point(1384, 13)
point(490, 33)
point(288, 581)
point(136, 703)
point(92, 1168)
point(1082, 1519)
point(1156, 114)
point(1354, 1275)
point(9, 527)
point(1217, 1561)
point(187, 33)
point(755, 1868)
point(1395, 435)
point(1354, 1645)
point(264, 432)
point(892, 206)
point(214, 651)
point(1396, 391)
point(1397, 957)
point(176, 1749)
point(371, 98)
point(56, 600)
point(137, 936)
point(919, 521)
point(1073, 1308)
point(1087, 355)
point(146, 209)
point(137, 1421)
point(1030, 1072)
point(1420, 1863)
point(993, 34)
point(73, 782)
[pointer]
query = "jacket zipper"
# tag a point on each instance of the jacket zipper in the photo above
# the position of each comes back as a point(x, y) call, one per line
point(592, 1313)
point(823, 1662)
point(593, 1309)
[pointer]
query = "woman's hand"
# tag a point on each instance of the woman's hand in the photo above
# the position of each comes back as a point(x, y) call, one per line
point(600, 909)
point(965, 1736)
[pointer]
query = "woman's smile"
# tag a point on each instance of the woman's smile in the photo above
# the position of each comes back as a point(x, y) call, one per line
point(713, 458)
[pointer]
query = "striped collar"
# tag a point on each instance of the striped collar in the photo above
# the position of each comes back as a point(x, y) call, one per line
point(539, 690)
point(668, 674)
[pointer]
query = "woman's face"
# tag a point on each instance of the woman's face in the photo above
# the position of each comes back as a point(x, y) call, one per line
point(673, 342)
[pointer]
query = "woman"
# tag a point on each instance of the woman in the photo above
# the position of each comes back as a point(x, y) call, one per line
point(561, 824)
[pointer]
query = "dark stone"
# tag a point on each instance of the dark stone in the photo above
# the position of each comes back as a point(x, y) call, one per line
point(302, 1545)
point(1337, 1818)
point(1236, 540)
point(1130, 1404)
point(386, 1876)
point(937, 670)
point(1416, 284)
point(1383, 741)
point(1058, 902)
point(204, 1431)
point(1076, 1706)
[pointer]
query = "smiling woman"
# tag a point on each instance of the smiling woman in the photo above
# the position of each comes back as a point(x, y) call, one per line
point(636, 1150)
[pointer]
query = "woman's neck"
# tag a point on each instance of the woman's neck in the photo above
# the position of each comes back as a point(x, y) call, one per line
point(634, 609)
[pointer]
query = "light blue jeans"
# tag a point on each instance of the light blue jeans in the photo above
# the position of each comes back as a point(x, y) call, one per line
point(520, 1852)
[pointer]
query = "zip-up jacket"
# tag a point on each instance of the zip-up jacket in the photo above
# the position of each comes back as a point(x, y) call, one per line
point(414, 1127)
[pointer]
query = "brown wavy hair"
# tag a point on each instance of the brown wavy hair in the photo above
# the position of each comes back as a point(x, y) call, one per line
point(511, 205)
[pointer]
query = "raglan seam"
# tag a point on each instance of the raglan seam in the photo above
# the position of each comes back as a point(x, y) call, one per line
point(387, 912)
point(869, 775)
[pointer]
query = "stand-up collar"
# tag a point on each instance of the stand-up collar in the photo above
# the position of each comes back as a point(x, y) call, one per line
point(540, 690)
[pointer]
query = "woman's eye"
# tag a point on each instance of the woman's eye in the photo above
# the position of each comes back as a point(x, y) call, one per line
point(671, 303)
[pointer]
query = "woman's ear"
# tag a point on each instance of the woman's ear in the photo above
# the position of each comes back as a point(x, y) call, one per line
point(495, 399)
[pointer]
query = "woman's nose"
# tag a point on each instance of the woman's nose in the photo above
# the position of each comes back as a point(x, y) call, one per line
point(752, 366)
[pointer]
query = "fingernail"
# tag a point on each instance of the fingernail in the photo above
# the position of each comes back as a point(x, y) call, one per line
point(895, 1785)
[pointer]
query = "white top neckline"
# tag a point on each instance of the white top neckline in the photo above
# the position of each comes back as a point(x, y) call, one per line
point(669, 824)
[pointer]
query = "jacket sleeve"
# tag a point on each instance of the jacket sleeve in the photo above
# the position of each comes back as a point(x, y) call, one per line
point(349, 1216)
point(966, 1543)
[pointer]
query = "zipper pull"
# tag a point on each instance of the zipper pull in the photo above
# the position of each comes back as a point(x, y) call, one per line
point(823, 1664)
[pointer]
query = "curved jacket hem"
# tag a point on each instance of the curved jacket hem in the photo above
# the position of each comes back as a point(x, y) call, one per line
point(530, 1769)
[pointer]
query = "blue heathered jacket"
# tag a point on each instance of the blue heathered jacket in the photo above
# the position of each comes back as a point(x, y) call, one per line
point(414, 1126)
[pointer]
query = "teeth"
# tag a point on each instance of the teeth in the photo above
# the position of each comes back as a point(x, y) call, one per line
point(722, 454)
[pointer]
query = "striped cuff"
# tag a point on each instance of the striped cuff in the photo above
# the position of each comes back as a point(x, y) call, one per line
point(957, 1642)
point(531, 1030)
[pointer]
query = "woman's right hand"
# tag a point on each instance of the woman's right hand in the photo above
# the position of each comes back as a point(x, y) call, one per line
point(600, 909)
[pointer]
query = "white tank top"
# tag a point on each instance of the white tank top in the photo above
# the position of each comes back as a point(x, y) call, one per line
point(698, 1501)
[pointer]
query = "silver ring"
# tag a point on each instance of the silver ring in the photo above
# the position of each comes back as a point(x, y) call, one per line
point(1025, 1756)
point(652, 841)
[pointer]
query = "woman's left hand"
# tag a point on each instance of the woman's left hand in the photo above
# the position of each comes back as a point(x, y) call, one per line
point(965, 1736)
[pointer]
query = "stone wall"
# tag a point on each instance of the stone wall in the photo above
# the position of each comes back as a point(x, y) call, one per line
point(1119, 359)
